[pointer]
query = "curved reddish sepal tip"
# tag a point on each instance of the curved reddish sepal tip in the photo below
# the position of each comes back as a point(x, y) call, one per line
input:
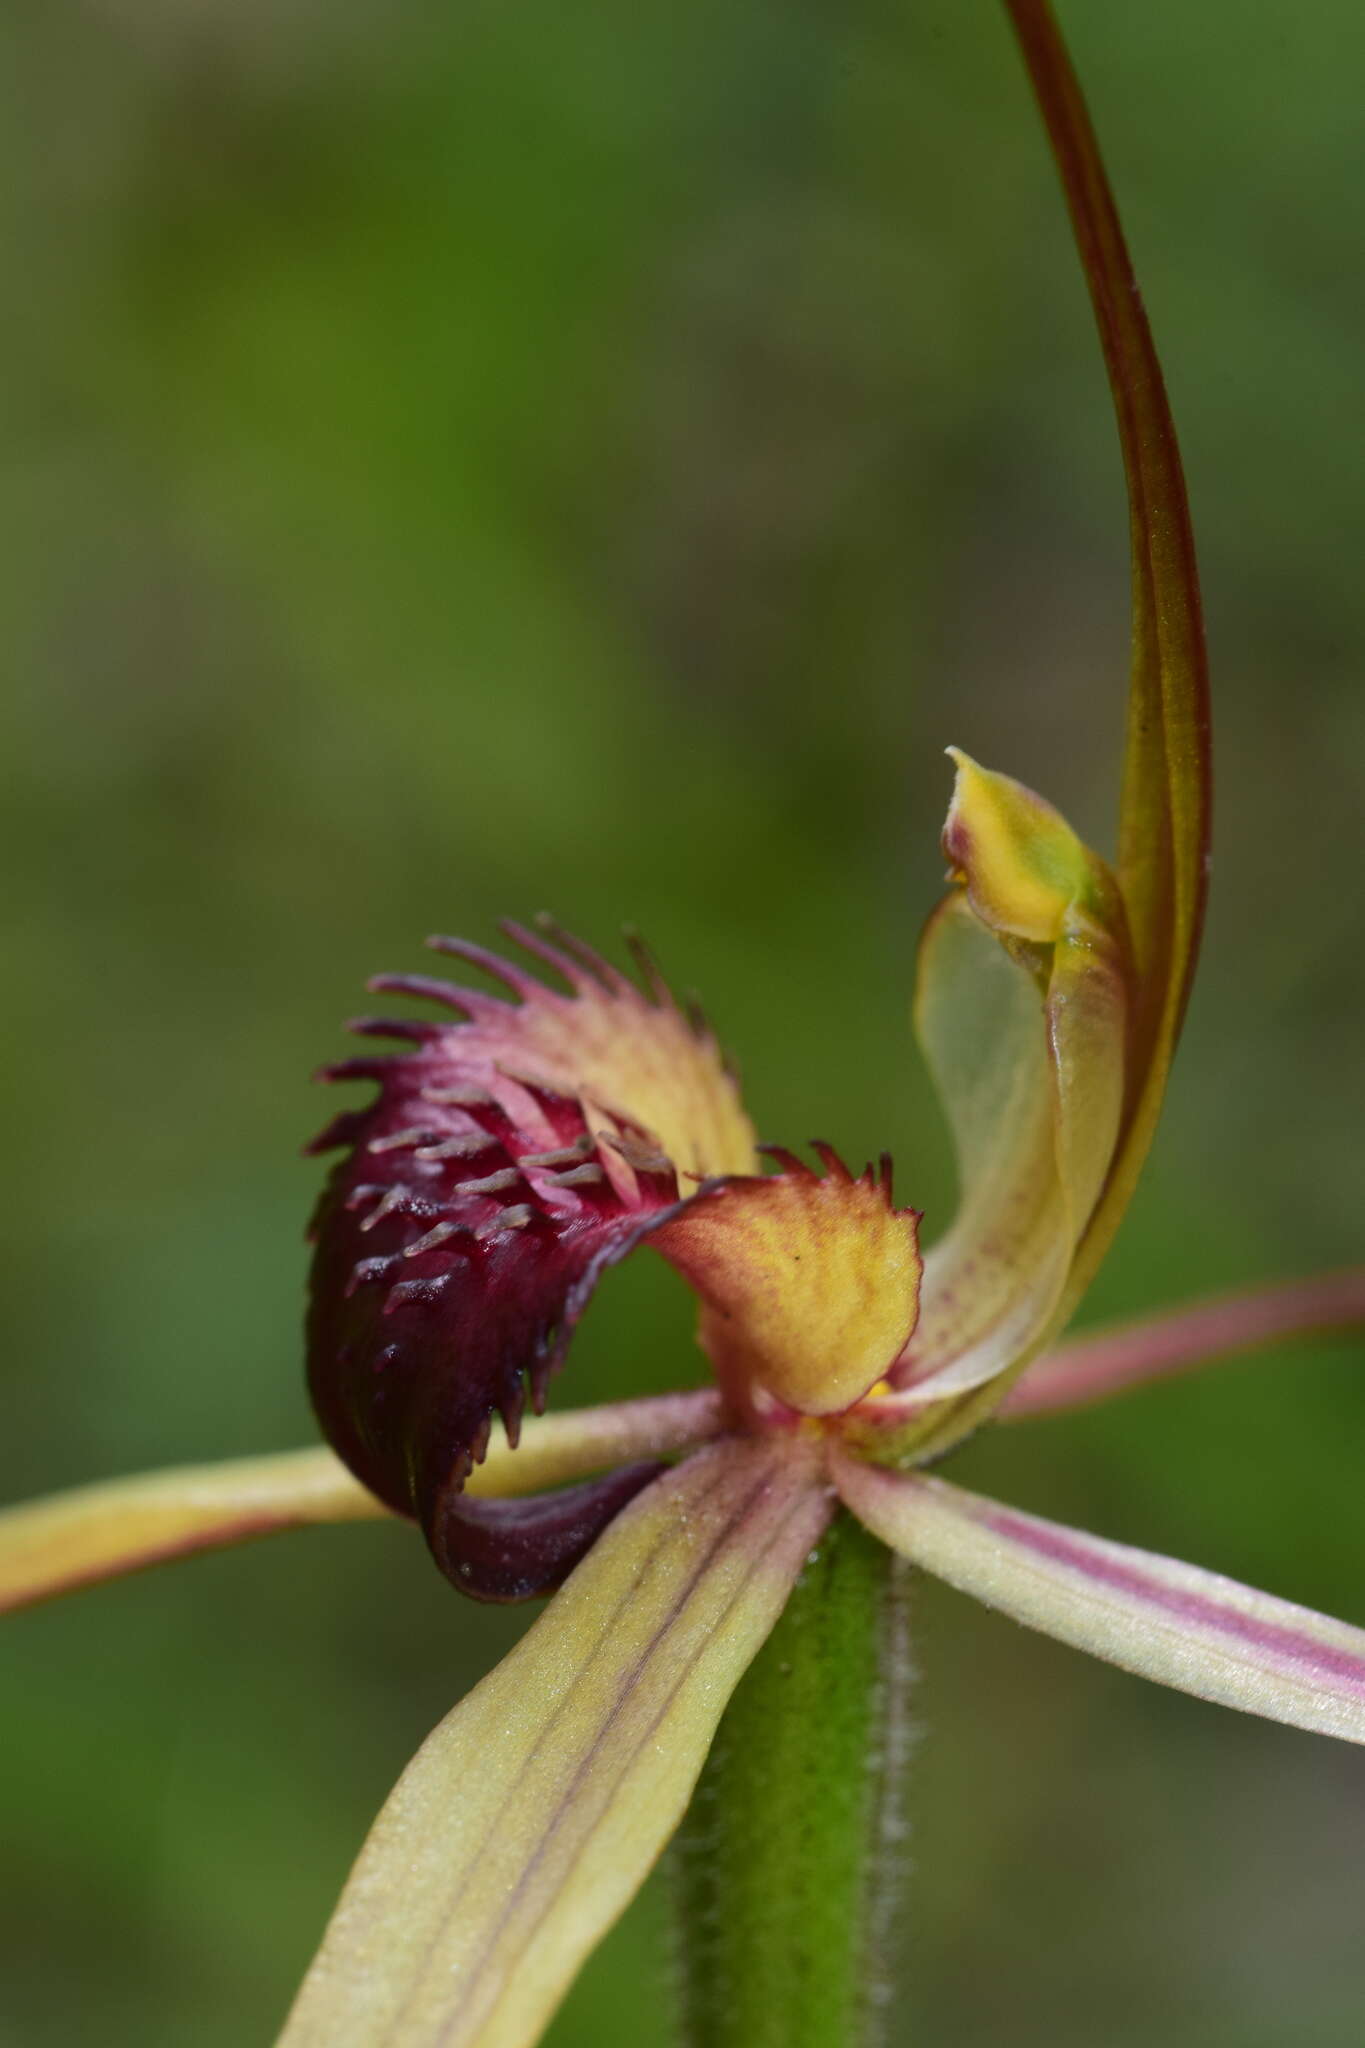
point(457, 1244)
point(504, 1550)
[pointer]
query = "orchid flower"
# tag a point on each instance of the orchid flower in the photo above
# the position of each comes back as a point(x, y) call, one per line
point(518, 1149)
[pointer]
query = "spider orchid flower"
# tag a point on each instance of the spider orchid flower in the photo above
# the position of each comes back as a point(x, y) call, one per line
point(516, 1151)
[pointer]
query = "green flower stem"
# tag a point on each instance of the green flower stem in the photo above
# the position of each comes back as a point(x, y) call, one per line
point(787, 1866)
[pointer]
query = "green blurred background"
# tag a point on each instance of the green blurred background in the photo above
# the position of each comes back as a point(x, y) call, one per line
point(466, 459)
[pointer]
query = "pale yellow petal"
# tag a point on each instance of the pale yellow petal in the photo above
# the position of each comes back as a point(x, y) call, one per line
point(73, 1539)
point(77, 1538)
point(1176, 1623)
point(530, 1817)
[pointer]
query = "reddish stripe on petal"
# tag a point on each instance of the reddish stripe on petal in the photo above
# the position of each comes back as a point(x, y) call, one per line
point(1172, 1622)
point(1109, 1361)
point(1274, 1638)
point(531, 1816)
point(75, 1539)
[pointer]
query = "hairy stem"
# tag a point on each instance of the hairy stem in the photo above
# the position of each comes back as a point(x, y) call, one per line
point(787, 1868)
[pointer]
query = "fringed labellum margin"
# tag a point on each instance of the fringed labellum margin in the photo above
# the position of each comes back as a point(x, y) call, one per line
point(492, 1182)
point(512, 1155)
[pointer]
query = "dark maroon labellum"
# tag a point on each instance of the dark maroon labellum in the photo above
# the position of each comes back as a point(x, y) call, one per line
point(456, 1245)
point(515, 1549)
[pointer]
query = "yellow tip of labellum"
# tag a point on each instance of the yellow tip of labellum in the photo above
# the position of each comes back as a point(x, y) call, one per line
point(1020, 861)
point(809, 1285)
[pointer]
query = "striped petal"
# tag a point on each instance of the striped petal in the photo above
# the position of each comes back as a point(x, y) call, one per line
point(531, 1816)
point(75, 1539)
point(1110, 1361)
point(68, 1540)
point(1164, 822)
point(1186, 1628)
